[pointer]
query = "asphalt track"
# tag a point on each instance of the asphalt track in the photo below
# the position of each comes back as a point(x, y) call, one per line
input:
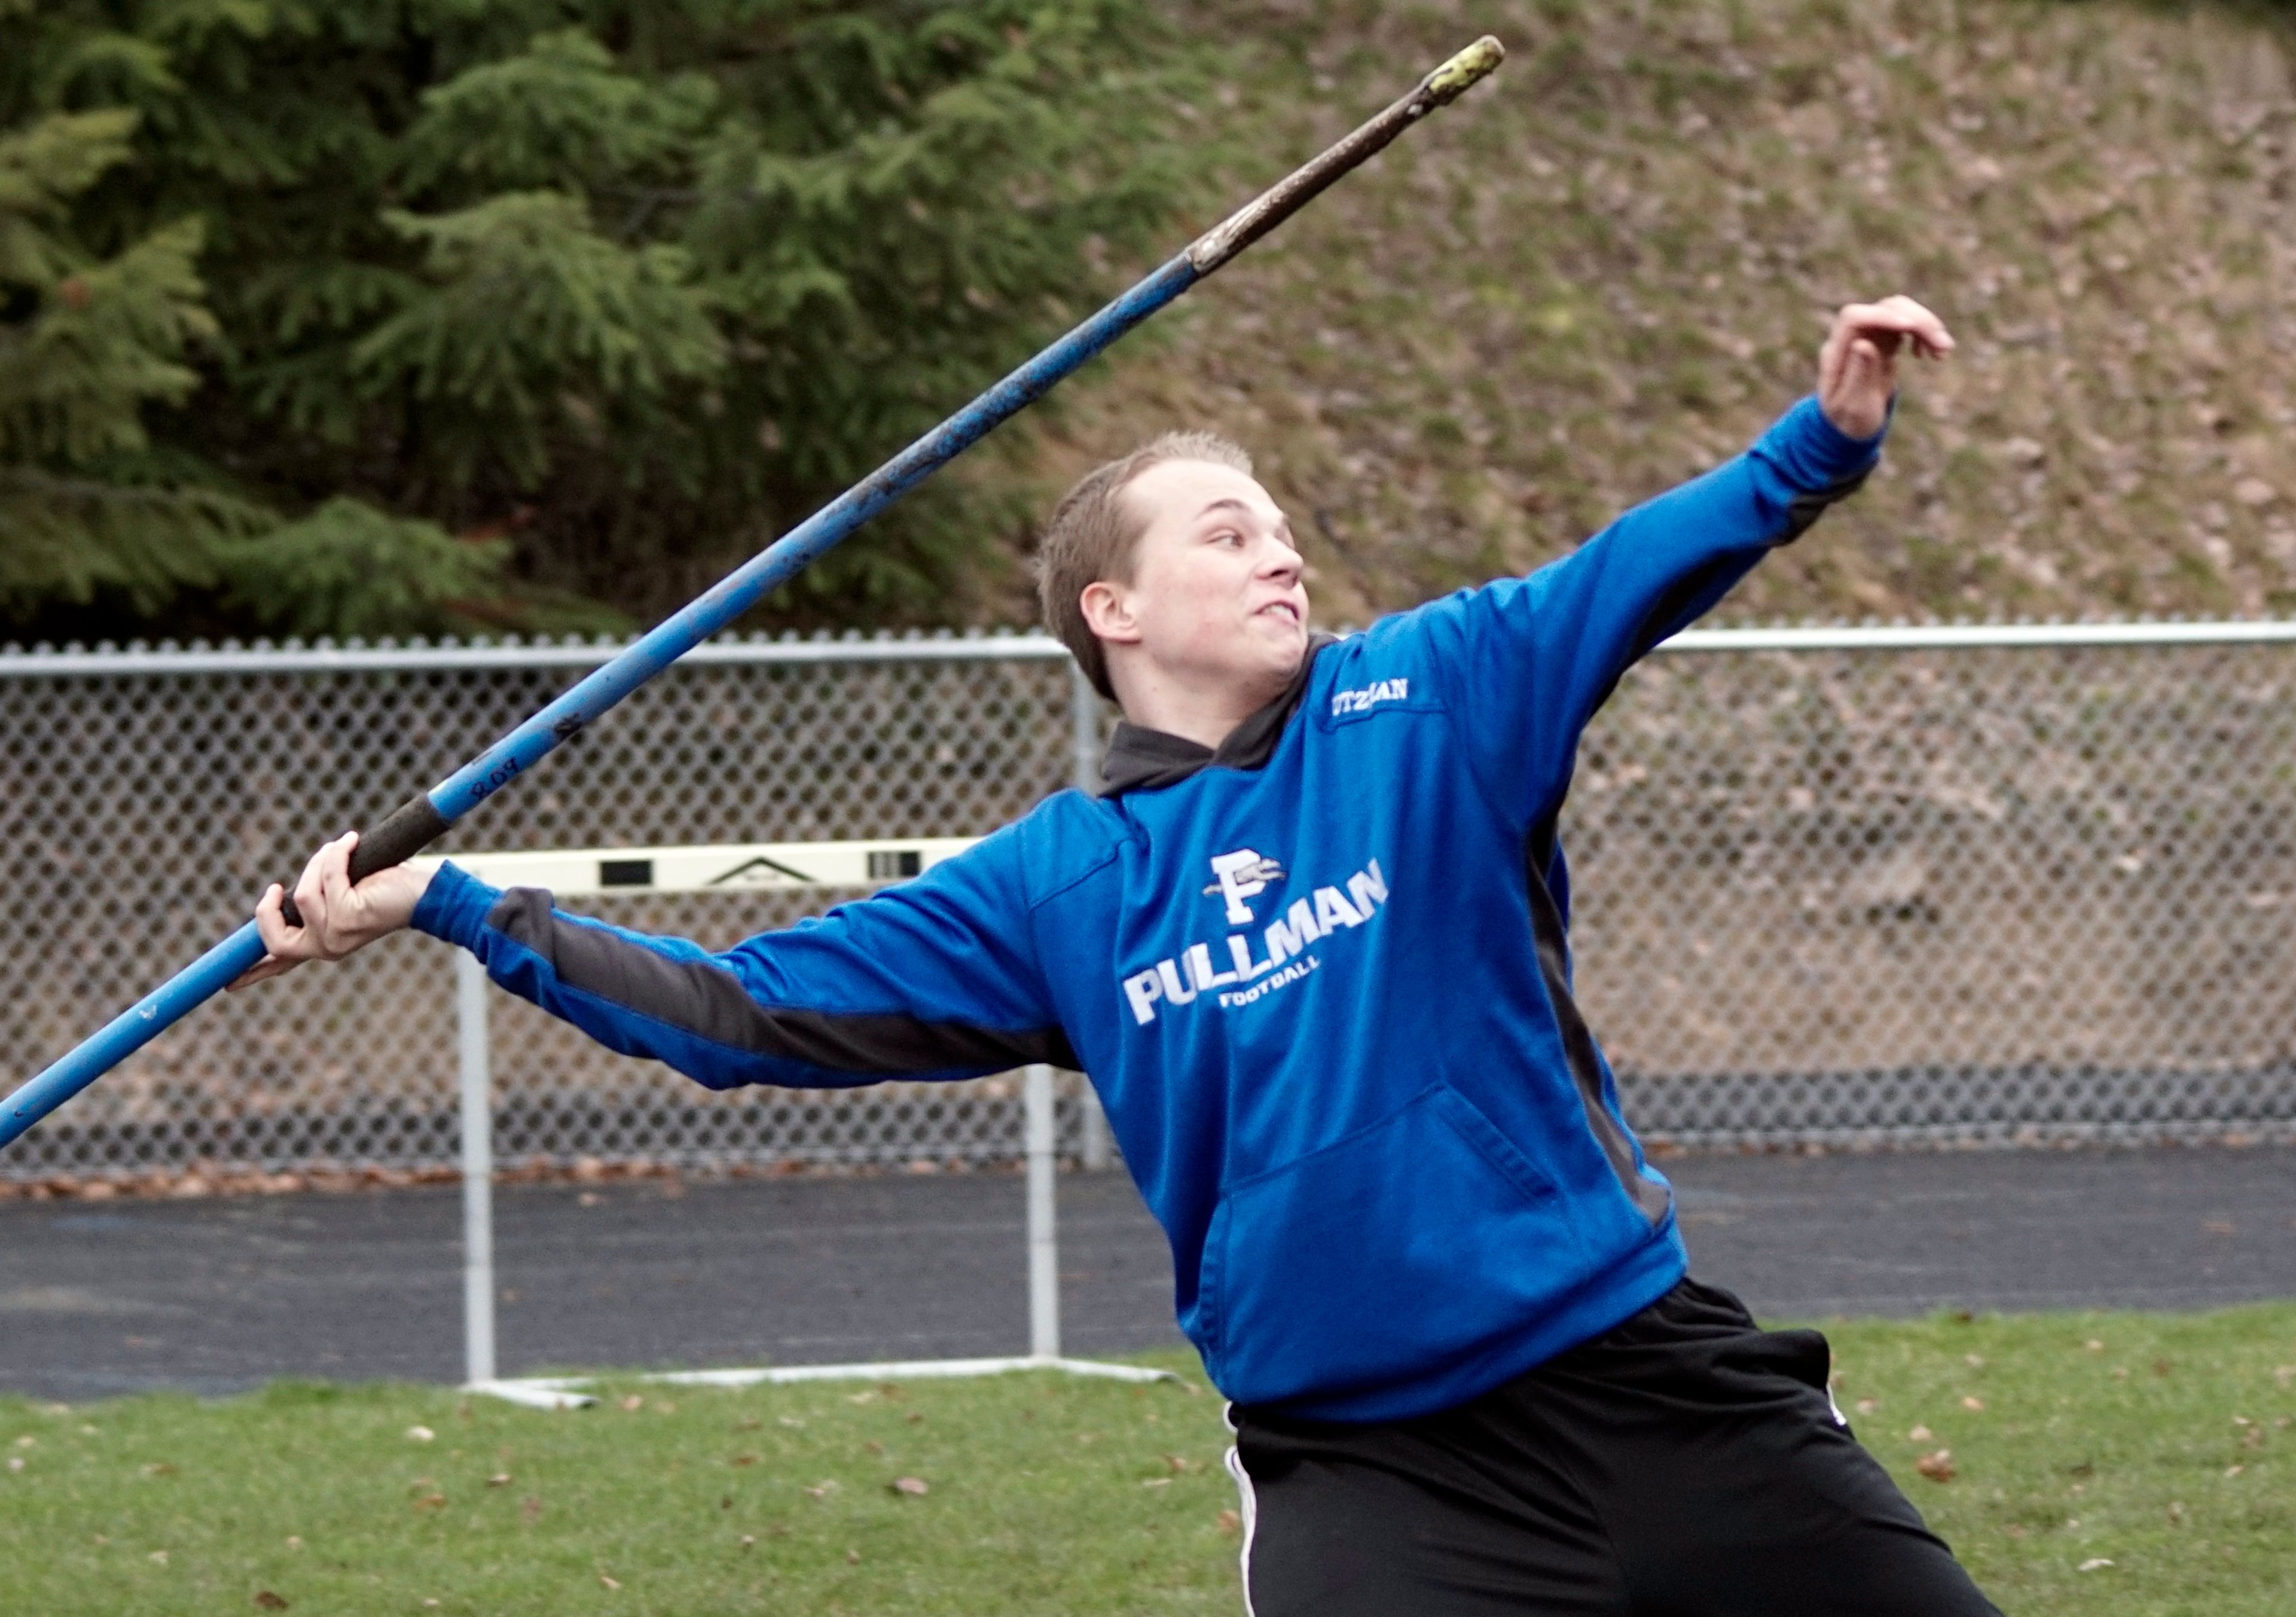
point(213, 1297)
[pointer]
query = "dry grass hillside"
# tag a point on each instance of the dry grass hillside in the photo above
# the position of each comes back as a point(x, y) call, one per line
point(1611, 267)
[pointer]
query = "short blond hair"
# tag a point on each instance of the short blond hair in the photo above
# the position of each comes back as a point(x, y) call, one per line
point(1092, 533)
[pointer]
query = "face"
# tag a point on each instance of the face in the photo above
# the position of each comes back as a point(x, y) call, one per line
point(1216, 597)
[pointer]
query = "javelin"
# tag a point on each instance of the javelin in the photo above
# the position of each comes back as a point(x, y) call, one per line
point(416, 823)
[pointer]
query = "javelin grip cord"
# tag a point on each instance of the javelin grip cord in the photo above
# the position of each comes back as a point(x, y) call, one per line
point(416, 823)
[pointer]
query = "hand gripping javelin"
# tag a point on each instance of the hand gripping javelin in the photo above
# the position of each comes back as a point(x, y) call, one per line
point(416, 823)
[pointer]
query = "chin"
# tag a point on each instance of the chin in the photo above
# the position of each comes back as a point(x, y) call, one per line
point(1283, 657)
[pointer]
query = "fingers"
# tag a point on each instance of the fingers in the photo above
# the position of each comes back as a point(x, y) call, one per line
point(1892, 320)
point(262, 970)
point(270, 926)
point(336, 873)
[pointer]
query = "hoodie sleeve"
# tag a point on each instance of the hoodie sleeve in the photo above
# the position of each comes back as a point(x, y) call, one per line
point(934, 979)
point(1527, 661)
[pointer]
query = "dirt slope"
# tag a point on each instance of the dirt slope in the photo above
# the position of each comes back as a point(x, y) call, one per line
point(1609, 268)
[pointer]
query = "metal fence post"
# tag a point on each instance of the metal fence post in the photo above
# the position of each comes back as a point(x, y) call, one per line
point(1084, 744)
point(1044, 1247)
point(477, 1171)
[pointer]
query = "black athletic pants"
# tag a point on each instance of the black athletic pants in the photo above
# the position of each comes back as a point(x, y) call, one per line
point(1685, 1464)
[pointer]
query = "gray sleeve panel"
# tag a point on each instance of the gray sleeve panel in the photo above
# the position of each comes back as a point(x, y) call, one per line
point(705, 999)
point(1808, 507)
point(1579, 1049)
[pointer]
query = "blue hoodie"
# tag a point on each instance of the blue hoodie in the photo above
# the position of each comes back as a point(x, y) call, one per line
point(1320, 976)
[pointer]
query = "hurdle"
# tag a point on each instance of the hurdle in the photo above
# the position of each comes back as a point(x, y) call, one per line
point(734, 868)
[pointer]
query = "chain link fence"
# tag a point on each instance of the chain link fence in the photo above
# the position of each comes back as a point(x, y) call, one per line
point(1839, 887)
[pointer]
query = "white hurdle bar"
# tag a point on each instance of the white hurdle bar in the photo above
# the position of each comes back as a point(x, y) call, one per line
point(738, 867)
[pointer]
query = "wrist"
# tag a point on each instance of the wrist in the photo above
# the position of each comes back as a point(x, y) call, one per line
point(453, 906)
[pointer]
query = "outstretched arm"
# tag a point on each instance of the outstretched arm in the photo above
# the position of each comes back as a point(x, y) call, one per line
point(1534, 657)
point(934, 979)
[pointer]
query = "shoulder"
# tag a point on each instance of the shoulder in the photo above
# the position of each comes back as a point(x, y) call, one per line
point(1432, 641)
point(1056, 845)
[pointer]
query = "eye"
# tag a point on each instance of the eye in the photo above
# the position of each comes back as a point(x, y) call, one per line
point(1228, 535)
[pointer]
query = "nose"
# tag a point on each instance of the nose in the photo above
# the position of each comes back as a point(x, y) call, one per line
point(1279, 563)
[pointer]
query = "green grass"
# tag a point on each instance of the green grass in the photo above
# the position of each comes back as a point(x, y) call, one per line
point(1048, 1495)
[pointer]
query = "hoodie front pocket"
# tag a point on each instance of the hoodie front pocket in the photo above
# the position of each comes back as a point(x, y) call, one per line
point(1409, 1248)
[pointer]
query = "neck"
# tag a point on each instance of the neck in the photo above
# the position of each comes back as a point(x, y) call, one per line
point(1203, 711)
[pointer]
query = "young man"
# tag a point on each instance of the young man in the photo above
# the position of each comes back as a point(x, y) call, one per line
point(1311, 946)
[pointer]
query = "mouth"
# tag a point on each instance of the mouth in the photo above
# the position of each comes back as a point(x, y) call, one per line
point(1284, 611)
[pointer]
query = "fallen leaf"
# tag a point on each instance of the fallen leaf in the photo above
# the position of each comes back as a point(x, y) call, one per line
point(15, 1462)
point(267, 1601)
point(501, 1479)
point(1179, 1466)
point(743, 1459)
point(159, 1468)
point(157, 1557)
point(823, 1490)
point(1974, 1404)
point(864, 1397)
point(1867, 1405)
point(294, 1541)
point(430, 1501)
point(2094, 1345)
point(1976, 1361)
point(1157, 1482)
point(1937, 1465)
point(2233, 1471)
point(608, 1580)
point(2094, 1563)
point(529, 1509)
point(1230, 1523)
point(749, 1541)
point(633, 1404)
point(1920, 1434)
point(421, 1435)
point(911, 1485)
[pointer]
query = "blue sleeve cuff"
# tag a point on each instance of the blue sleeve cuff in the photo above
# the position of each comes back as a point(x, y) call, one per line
point(1815, 454)
point(455, 907)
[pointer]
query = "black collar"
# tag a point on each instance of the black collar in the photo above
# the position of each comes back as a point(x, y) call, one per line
point(1141, 759)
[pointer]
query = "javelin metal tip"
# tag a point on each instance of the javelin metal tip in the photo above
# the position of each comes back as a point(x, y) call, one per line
point(1477, 62)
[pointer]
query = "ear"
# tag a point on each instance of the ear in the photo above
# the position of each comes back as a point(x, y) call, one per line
point(1108, 612)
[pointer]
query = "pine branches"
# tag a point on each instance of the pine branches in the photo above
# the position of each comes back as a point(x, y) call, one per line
point(85, 343)
point(627, 287)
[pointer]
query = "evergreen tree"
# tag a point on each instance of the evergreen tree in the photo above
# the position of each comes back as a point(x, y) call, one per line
point(539, 311)
point(86, 343)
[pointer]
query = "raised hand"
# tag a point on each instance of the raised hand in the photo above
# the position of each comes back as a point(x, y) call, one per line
point(1857, 367)
point(338, 918)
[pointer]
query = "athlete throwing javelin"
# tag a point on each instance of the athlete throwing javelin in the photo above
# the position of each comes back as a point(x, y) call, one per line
point(1310, 942)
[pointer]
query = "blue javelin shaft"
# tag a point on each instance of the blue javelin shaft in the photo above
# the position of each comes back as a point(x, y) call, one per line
point(415, 824)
